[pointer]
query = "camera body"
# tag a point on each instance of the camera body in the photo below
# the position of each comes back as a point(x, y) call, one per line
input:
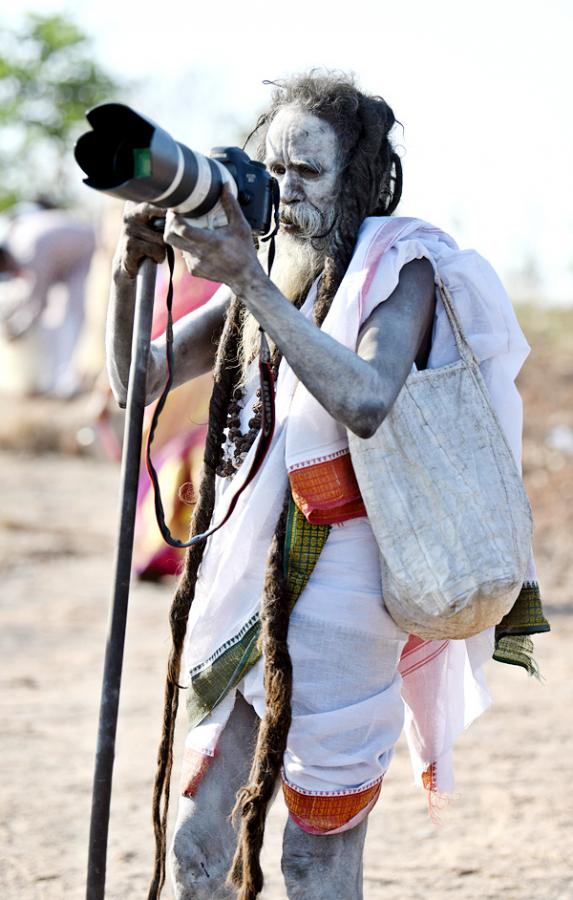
point(254, 185)
point(129, 156)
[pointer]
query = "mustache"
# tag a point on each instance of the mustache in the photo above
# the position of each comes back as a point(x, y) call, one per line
point(304, 217)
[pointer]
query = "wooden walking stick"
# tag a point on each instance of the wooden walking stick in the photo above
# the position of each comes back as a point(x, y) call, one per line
point(109, 702)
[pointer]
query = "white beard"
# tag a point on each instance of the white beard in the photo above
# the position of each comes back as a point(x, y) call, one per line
point(297, 263)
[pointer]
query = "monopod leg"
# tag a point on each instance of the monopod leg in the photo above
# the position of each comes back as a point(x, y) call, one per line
point(109, 702)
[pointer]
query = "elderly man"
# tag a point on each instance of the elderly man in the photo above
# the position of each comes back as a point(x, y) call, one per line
point(350, 308)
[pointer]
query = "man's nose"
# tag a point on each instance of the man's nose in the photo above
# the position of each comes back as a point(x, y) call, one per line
point(290, 188)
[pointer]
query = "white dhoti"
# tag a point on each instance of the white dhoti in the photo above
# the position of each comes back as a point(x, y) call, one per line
point(347, 708)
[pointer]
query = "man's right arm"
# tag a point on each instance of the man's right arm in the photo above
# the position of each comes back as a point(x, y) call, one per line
point(195, 335)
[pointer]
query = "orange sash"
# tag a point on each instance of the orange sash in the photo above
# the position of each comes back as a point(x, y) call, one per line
point(327, 492)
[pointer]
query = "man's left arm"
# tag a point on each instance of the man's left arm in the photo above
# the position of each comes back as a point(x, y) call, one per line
point(356, 388)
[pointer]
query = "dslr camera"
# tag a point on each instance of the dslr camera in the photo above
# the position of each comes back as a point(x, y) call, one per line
point(129, 156)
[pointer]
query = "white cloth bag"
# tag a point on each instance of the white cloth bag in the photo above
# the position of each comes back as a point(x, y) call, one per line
point(445, 501)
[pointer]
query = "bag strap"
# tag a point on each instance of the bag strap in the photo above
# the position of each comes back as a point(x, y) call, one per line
point(469, 357)
point(464, 349)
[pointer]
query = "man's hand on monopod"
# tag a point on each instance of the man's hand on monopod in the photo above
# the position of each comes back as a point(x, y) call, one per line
point(225, 254)
point(139, 239)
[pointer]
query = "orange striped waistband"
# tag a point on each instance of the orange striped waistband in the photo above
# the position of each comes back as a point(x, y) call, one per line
point(327, 492)
point(329, 813)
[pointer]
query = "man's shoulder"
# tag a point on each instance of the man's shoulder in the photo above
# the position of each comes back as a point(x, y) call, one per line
point(397, 228)
point(379, 234)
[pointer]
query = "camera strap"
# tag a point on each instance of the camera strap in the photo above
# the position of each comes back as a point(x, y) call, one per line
point(275, 199)
point(267, 403)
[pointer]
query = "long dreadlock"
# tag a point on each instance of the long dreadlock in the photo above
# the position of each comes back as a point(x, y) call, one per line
point(179, 613)
point(371, 184)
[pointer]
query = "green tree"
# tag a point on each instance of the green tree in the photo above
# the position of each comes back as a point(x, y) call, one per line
point(48, 79)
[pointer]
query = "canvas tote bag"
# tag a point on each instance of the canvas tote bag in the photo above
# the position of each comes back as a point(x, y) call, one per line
point(445, 501)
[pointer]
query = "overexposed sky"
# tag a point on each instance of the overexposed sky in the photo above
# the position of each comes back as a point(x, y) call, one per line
point(482, 87)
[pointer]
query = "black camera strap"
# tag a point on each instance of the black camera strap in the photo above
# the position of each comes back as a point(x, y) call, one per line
point(267, 402)
point(275, 199)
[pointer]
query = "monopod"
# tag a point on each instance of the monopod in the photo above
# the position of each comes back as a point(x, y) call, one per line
point(111, 682)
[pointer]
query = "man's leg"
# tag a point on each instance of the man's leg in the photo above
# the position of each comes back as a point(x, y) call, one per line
point(323, 867)
point(204, 840)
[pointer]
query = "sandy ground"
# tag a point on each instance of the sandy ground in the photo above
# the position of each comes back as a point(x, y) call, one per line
point(509, 834)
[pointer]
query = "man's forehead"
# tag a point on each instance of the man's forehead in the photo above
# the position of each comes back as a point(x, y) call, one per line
point(295, 131)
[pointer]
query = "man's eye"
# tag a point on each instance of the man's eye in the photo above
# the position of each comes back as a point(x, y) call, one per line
point(308, 172)
point(278, 169)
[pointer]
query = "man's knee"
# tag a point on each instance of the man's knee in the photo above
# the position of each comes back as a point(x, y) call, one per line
point(297, 858)
point(205, 840)
point(199, 863)
point(323, 866)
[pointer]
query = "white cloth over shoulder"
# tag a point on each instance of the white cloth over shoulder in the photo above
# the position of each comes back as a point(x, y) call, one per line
point(486, 314)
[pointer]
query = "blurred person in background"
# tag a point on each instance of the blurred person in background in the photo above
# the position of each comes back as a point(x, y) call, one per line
point(46, 248)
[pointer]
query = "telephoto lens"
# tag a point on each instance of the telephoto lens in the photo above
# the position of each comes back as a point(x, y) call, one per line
point(129, 156)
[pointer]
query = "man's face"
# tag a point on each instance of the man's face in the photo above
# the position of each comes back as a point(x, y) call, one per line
point(302, 154)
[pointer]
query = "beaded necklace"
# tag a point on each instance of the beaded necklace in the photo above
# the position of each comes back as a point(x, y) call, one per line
point(233, 456)
point(231, 459)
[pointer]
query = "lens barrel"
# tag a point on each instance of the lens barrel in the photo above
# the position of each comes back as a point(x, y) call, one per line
point(129, 156)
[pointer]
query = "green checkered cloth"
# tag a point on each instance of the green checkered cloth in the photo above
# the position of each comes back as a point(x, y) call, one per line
point(223, 671)
point(513, 642)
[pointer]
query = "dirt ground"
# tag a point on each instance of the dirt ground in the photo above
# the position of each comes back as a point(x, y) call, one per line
point(509, 833)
